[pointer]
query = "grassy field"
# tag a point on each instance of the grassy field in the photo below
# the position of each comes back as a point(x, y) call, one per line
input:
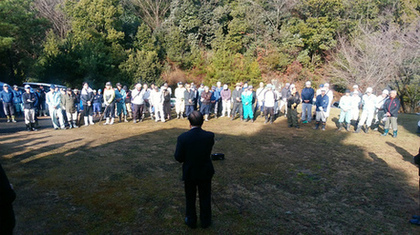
point(123, 179)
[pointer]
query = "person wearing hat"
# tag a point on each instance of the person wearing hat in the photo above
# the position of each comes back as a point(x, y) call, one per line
point(137, 99)
point(53, 99)
point(285, 93)
point(391, 109)
point(68, 103)
point(321, 106)
point(307, 97)
point(226, 96)
point(6, 96)
point(292, 103)
point(269, 102)
point(29, 100)
point(109, 100)
point(247, 98)
point(189, 95)
point(379, 111)
point(17, 100)
point(120, 96)
point(86, 95)
point(345, 106)
point(368, 110)
point(179, 103)
point(157, 100)
point(355, 104)
point(237, 102)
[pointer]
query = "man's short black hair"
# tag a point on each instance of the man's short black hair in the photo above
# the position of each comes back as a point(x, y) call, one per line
point(196, 118)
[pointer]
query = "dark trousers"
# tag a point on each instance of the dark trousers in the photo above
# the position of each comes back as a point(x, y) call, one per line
point(205, 108)
point(110, 111)
point(189, 109)
point(204, 194)
point(137, 111)
point(167, 109)
point(87, 110)
point(269, 110)
point(237, 108)
point(292, 118)
point(9, 109)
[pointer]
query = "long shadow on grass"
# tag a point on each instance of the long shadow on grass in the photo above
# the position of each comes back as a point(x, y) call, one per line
point(275, 180)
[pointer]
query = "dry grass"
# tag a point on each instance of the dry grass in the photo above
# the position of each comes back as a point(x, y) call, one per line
point(122, 179)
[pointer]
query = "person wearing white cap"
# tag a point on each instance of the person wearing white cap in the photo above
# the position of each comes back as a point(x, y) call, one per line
point(137, 99)
point(368, 111)
point(157, 100)
point(29, 100)
point(379, 111)
point(269, 102)
point(345, 115)
point(321, 106)
point(330, 95)
point(307, 97)
point(285, 93)
point(179, 103)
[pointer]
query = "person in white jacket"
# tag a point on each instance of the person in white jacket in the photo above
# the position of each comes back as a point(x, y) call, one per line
point(345, 115)
point(379, 112)
point(179, 104)
point(157, 100)
point(369, 106)
point(137, 99)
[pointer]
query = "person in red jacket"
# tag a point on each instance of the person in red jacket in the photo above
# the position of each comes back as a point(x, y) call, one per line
point(391, 108)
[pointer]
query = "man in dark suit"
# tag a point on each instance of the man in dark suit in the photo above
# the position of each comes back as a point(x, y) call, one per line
point(7, 196)
point(193, 149)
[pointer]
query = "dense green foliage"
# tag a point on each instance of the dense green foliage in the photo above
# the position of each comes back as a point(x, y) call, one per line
point(133, 41)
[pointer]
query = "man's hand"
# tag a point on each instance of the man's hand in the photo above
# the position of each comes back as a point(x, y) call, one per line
point(321, 108)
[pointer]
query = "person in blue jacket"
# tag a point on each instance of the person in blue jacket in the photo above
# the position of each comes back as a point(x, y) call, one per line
point(321, 107)
point(17, 101)
point(6, 96)
point(307, 97)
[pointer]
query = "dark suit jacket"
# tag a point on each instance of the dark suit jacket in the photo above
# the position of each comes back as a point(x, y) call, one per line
point(193, 149)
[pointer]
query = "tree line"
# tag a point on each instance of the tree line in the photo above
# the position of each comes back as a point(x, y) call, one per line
point(366, 42)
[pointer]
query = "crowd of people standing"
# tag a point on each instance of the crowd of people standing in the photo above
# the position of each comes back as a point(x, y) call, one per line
point(67, 106)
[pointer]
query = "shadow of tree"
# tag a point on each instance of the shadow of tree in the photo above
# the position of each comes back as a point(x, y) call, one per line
point(273, 180)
